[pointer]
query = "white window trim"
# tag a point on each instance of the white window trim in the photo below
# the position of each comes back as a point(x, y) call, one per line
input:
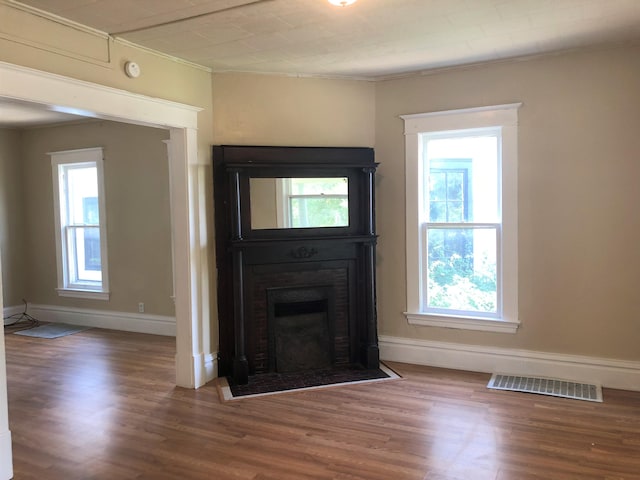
point(505, 117)
point(83, 155)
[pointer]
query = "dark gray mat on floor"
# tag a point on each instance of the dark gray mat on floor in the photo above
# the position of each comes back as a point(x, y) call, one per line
point(271, 383)
point(52, 330)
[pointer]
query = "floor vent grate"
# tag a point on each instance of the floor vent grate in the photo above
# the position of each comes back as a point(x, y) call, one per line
point(547, 386)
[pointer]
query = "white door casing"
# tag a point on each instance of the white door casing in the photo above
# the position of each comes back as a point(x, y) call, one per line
point(193, 365)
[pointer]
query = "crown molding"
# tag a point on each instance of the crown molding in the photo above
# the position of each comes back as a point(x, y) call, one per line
point(166, 56)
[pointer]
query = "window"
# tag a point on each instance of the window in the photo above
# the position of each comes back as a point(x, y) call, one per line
point(313, 202)
point(81, 248)
point(461, 178)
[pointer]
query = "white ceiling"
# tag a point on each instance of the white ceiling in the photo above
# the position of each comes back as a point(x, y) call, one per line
point(370, 39)
point(17, 114)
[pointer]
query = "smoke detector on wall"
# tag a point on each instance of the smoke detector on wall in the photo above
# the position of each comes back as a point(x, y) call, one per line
point(132, 69)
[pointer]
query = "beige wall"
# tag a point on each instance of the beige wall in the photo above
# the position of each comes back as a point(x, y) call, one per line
point(12, 194)
point(579, 226)
point(36, 42)
point(138, 217)
point(578, 165)
point(279, 110)
point(264, 203)
point(32, 41)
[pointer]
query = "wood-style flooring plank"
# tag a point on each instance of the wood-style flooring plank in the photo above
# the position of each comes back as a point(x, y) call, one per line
point(102, 405)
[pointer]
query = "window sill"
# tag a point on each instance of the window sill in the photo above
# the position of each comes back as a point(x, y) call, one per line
point(88, 294)
point(463, 323)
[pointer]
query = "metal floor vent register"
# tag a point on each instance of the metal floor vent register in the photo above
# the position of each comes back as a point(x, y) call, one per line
point(547, 386)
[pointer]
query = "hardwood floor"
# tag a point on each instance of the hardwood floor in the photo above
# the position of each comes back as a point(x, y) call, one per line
point(102, 405)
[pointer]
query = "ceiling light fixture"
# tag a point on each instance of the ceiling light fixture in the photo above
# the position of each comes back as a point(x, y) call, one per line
point(342, 3)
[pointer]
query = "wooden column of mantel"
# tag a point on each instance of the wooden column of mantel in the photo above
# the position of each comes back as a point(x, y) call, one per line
point(240, 364)
point(372, 352)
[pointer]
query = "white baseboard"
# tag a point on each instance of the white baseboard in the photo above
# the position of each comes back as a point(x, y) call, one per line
point(6, 464)
point(8, 311)
point(207, 368)
point(211, 366)
point(622, 374)
point(196, 370)
point(129, 322)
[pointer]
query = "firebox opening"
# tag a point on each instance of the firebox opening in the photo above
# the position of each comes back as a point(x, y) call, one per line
point(299, 308)
point(300, 329)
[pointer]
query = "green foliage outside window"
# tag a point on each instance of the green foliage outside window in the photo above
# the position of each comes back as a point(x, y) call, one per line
point(319, 212)
point(459, 282)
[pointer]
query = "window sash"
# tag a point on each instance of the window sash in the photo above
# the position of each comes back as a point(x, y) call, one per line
point(76, 256)
point(426, 227)
point(455, 164)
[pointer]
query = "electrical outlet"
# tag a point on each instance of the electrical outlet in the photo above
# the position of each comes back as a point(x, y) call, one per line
point(141, 307)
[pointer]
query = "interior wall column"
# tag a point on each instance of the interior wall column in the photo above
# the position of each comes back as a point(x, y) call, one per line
point(195, 365)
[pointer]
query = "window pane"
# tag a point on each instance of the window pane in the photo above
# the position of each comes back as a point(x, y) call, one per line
point(319, 211)
point(456, 182)
point(448, 191)
point(91, 246)
point(83, 255)
point(455, 212)
point(438, 212)
point(461, 269)
point(82, 195)
point(438, 186)
point(319, 186)
point(463, 172)
point(90, 213)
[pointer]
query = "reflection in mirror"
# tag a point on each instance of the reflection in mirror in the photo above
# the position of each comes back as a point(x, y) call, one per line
point(299, 202)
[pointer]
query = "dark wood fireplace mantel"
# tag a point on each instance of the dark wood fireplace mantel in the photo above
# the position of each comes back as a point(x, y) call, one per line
point(332, 267)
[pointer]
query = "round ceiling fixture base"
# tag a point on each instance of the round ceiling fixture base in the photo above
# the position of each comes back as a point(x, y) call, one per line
point(342, 3)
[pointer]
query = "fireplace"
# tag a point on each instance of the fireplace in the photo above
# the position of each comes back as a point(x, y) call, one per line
point(294, 298)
